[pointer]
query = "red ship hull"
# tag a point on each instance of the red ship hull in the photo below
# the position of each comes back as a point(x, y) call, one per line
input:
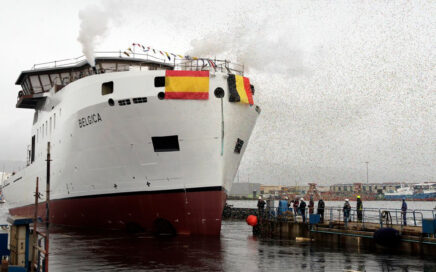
point(194, 212)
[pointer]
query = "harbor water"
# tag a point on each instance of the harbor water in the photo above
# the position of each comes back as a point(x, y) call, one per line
point(235, 250)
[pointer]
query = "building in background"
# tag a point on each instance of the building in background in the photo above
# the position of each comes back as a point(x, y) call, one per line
point(370, 191)
point(273, 190)
point(244, 190)
point(377, 188)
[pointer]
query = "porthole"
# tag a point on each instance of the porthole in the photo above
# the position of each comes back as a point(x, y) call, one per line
point(111, 102)
point(219, 92)
point(161, 95)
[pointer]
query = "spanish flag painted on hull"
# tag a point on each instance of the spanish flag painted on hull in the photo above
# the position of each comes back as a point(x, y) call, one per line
point(240, 89)
point(186, 84)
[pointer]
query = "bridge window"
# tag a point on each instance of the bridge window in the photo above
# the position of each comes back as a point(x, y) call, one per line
point(159, 81)
point(166, 143)
point(107, 88)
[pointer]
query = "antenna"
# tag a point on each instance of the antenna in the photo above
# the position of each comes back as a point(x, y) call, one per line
point(367, 162)
point(3, 175)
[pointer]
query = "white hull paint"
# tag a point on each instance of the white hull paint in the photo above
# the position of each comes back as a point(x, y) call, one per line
point(112, 152)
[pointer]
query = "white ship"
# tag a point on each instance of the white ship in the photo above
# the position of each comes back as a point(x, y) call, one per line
point(420, 191)
point(124, 155)
point(400, 193)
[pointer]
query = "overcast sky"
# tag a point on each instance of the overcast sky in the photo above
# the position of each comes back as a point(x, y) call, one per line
point(339, 82)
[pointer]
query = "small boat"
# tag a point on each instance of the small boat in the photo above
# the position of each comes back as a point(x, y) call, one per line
point(420, 191)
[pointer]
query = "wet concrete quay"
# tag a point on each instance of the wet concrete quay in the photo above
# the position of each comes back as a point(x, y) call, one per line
point(380, 230)
point(411, 239)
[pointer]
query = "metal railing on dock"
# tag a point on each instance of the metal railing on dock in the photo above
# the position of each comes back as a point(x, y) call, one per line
point(381, 216)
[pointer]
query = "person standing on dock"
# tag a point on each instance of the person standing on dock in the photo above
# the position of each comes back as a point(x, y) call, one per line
point(260, 206)
point(346, 209)
point(311, 205)
point(303, 210)
point(359, 209)
point(321, 206)
point(296, 207)
point(404, 211)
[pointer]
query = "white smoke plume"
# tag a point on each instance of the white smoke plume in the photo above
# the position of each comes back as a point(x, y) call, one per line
point(260, 46)
point(93, 27)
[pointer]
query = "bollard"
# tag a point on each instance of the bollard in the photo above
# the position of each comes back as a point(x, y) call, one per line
point(414, 217)
point(5, 265)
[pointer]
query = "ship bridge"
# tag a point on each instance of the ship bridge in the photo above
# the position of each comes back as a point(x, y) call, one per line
point(41, 78)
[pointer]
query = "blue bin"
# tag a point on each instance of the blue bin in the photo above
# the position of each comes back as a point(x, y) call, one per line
point(4, 244)
point(314, 219)
point(283, 207)
point(429, 226)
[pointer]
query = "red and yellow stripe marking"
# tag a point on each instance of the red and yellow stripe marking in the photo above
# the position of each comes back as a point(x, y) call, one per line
point(186, 84)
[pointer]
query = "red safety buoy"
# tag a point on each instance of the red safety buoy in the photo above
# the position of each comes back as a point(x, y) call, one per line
point(252, 220)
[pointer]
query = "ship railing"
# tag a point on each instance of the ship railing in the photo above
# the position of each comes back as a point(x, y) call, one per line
point(185, 63)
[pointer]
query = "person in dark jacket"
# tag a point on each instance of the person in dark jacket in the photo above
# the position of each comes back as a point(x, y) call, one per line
point(261, 206)
point(359, 209)
point(321, 206)
point(302, 209)
point(296, 207)
point(311, 205)
point(404, 211)
point(346, 209)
